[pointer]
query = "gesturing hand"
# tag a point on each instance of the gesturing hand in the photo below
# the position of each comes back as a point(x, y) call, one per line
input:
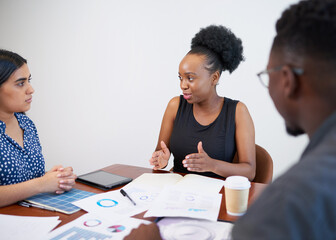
point(199, 162)
point(160, 158)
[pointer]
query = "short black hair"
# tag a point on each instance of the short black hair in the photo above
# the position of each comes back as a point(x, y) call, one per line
point(223, 50)
point(308, 29)
point(9, 62)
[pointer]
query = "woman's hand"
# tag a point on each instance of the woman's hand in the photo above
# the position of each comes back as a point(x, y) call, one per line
point(199, 162)
point(66, 178)
point(49, 182)
point(160, 158)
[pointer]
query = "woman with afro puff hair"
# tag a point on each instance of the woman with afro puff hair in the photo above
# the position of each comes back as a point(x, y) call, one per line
point(206, 133)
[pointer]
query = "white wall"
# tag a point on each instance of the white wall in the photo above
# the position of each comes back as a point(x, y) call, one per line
point(104, 71)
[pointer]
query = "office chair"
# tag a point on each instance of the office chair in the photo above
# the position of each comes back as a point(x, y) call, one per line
point(264, 166)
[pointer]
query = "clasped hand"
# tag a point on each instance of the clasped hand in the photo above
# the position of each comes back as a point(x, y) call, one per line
point(59, 179)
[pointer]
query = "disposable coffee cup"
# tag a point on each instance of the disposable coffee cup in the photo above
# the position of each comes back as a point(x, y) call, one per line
point(236, 195)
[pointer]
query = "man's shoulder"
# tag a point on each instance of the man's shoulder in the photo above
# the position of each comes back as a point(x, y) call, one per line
point(302, 197)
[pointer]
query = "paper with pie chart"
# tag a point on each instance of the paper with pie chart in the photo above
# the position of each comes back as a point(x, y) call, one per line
point(96, 226)
point(112, 202)
point(179, 202)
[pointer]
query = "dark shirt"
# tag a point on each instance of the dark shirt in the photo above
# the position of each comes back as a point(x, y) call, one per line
point(19, 164)
point(301, 204)
point(218, 138)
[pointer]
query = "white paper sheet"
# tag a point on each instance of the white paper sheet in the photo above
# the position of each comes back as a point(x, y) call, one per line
point(112, 202)
point(96, 226)
point(191, 229)
point(194, 182)
point(175, 202)
point(21, 227)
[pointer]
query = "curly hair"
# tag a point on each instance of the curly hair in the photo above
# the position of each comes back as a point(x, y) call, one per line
point(9, 62)
point(223, 50)
point(308, 28)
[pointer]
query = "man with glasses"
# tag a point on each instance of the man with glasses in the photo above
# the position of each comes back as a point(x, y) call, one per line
point(301, 80)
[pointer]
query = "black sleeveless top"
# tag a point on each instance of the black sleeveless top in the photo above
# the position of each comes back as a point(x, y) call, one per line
point(218, 138)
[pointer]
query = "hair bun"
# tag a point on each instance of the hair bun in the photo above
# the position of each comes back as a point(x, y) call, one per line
point(223, 42)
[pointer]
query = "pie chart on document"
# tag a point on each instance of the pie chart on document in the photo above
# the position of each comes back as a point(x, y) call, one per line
point(116, 228)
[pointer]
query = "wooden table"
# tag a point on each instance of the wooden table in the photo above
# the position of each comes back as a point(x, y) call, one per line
point(127, 171)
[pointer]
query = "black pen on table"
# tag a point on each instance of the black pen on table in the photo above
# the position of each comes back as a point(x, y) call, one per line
point(126, 195)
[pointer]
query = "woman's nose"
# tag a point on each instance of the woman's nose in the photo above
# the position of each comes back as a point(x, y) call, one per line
point(30, 89)
point(183, 84)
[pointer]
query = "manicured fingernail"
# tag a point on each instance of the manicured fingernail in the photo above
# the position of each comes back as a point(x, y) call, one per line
point(187, 157)
point(59, 175)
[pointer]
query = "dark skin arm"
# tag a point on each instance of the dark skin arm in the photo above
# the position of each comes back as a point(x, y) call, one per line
point(161, 155)
point(145, 232)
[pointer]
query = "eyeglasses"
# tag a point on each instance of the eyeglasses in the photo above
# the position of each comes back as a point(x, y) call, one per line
point(264, 75)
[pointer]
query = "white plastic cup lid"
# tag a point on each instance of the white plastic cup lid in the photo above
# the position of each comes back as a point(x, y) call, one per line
point(237, 182)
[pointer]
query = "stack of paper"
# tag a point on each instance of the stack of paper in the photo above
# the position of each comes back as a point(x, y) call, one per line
point(175, 202)
point(162, 195)
point(18, 227)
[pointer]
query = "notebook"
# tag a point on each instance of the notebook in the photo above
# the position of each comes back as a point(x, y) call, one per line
point(58, 202)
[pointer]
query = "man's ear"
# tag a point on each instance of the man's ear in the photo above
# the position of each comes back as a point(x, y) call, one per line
point(215, 77)
point(290, 82)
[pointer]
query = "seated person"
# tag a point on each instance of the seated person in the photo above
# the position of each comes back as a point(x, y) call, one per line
point(301, 80)
point(203, 130)
point(22, 173)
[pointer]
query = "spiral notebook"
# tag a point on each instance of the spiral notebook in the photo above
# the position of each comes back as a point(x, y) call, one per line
point(57, 202)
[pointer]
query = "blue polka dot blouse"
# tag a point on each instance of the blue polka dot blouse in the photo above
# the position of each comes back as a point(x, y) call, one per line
point(19, 164)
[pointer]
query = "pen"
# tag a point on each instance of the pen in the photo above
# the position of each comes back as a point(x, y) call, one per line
point(27, 204)
point(126, 195)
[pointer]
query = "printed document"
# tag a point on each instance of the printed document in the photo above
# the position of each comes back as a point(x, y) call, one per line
point(178, 202)
point(21, 227)
point(97, 226)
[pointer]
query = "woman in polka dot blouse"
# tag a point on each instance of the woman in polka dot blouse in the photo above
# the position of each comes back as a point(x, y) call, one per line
point(22, 172)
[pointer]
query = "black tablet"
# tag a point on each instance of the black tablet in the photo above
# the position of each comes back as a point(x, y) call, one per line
point(103, 180)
